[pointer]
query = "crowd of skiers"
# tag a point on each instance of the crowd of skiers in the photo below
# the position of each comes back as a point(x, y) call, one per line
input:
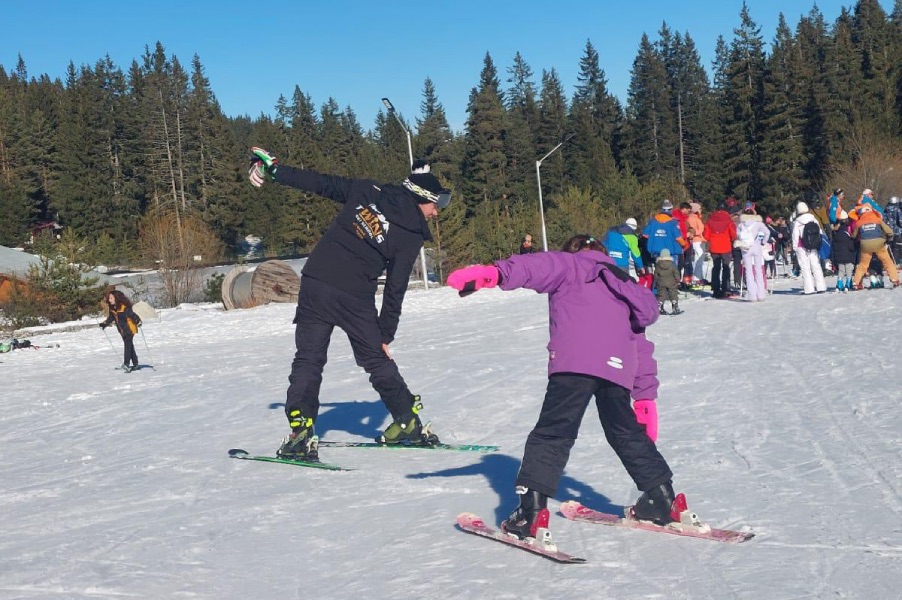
point(743, 249)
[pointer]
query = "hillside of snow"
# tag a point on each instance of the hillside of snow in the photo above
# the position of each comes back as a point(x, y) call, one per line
point(782, 417)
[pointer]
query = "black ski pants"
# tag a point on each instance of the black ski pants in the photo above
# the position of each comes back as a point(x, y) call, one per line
point(720, 274)
point(128, 341)
point(566, 399)
point(321, 308)
point(737, 268)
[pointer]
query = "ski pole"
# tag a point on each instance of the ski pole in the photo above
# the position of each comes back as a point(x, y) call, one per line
point(107, 336)
point(149, 355)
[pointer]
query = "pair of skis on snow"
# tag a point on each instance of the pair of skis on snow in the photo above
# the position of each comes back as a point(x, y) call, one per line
point(688, 525)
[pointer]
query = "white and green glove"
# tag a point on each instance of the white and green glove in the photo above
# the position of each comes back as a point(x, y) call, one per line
point(263, 166)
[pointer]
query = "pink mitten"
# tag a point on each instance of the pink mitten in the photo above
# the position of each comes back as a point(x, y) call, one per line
point(472, 278)
point(647, 414)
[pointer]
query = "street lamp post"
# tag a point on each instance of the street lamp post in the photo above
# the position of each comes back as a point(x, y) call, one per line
point(566, 139)
point(391, 111)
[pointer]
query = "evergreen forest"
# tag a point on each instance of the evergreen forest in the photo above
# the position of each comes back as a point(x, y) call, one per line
point(772, 122)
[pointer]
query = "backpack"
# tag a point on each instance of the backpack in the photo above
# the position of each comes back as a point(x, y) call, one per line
point(745, 237)
point(811, 236)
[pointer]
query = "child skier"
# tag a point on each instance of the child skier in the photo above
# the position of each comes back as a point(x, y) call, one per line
point(597, 321)
point(843, 252)
point(127, 322)
point(667, 280)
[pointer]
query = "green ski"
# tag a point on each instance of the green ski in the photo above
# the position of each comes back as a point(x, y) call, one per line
point(244, 455)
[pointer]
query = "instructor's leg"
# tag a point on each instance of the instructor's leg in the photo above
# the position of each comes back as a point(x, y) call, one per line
point(359, 320)
point(312, 334)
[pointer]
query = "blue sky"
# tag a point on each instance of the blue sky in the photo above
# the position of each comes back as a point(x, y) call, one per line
point(358, 52)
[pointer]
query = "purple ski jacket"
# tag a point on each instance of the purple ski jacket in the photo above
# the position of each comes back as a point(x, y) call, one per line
point(596, 319)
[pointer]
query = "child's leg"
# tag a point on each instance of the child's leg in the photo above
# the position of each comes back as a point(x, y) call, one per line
point(628, 439)
point(548, 445)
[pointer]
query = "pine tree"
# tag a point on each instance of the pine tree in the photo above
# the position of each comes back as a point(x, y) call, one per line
point(782, 153)
point(434, 136)
point(716, 185)
point(596, 120)
point(213, 174)
point(521, 119)
point(553, 126)
point(871, 36)
point(745, 98)
point(820, 97)
point(693, 105)
point(652, 145)
point(484, 164)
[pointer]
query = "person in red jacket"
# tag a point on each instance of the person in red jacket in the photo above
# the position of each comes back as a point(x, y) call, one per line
point(720, 231)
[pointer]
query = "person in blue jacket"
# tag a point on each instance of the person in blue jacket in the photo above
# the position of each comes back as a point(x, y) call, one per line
point(663, 231)
point(835, 205)
point(622, 244)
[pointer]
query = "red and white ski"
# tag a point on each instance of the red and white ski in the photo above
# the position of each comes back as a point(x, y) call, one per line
point(688, 524)
point(541, 545)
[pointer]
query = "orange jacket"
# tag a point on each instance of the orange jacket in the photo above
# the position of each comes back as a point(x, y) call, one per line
point(694, 222)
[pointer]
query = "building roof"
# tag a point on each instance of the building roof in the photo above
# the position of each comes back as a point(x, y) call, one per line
point(16, 262)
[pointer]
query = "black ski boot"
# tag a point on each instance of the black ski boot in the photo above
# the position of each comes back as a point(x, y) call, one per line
point(661, 309)
point(656, 505)
point(530, 516)
point(675, 308)
point(301, 443)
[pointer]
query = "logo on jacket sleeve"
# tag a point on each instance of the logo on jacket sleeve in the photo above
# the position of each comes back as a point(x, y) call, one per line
point(370, 223)
point(615, 362)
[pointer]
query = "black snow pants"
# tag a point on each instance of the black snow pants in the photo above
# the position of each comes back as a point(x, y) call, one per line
point(129, 355)
point(720, 274)
point(321, 308)
point(566, 399)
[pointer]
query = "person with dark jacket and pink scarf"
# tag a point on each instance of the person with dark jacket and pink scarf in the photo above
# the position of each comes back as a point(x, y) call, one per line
point(598, 347)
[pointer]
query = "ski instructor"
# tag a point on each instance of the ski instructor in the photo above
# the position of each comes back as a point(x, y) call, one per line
point(380, 228)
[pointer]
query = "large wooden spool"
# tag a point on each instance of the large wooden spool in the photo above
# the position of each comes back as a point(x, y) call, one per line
point(270, 281)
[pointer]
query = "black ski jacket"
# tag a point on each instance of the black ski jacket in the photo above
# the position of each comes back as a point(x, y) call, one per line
point(380, 228)
point(843, 249)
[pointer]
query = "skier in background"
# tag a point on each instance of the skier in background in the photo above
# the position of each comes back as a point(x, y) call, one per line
point(120, 312)
point(752, 235)
point(622, 244)
point(526, 246)
point(380, 228)
point(667, 283)
point(720, 233)
point(892, 215)
point(696, 226)
point(873, 236)
point(663, 231)
point(844, 254)
point(808, 258)
point(597, 321)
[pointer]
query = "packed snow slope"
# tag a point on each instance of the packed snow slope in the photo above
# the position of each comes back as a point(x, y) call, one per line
point(782, 417)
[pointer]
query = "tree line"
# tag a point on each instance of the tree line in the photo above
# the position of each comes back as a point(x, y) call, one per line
point(105, 149)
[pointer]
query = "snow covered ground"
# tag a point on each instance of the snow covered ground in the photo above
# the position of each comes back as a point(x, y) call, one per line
point(783, 417)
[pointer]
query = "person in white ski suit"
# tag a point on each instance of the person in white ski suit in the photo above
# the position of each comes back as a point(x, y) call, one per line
point(809, 260)
point(751, 237)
